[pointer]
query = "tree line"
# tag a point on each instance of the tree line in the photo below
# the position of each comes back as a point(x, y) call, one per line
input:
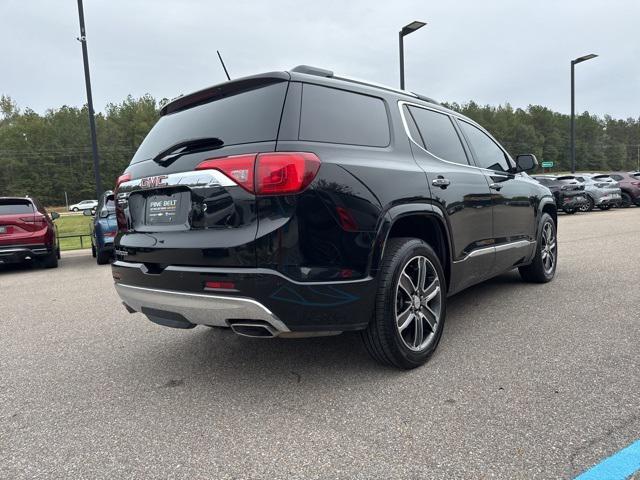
point(46, 155)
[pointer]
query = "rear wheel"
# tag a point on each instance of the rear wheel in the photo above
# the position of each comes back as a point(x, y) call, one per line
point(76, 209)
point(604, 207)
point(51, 260)
point(569, 211)
point(93, 250)
point(102, 257)
point(626, 200)
point(587, 207)
point(542, 268)
point(410, 305)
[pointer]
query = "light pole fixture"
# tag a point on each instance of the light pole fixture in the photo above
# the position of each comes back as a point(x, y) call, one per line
point(573, 107)
point(406, 30)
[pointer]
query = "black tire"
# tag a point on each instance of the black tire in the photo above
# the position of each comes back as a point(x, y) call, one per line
point(93, 250)
point(569, 211)
point(537, 271)
point(626, 201)
point(51, 260)
point(383, 338)
point(604, 208)
point(102, 257)
point(76, 209)
point(589, 206)
point(58, 253)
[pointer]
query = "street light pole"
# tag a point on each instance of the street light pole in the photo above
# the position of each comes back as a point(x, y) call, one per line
point(573, 107)
point(92, 121)
point(406, 30)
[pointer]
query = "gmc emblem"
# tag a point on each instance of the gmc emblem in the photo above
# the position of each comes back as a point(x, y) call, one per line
point(154, 182)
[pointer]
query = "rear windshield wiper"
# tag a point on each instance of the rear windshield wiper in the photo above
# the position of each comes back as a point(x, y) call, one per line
point(175, 151)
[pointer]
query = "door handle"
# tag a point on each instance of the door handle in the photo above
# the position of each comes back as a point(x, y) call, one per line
point(441, 182)
point(495, 186)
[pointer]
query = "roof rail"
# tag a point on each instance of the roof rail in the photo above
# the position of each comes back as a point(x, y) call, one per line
point(322, 72)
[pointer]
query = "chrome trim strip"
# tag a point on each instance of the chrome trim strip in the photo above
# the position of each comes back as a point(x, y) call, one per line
point(199, 308)
point(191, 179)
point(401, 103)
point(497, 248)
point(246, 271)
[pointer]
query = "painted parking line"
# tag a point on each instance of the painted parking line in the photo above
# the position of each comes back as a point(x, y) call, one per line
point(619, 466)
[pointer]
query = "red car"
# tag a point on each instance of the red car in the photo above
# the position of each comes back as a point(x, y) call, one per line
point(27, 232)
point(630, 186)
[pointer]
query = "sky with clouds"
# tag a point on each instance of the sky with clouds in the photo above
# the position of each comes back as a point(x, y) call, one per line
point(494, 51)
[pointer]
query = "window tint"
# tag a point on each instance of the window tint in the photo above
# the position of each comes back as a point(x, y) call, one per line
point(617, 177)
point(439, 135)
point(250, 116)
point(15, 207)
point(487, 153)
point(336, 116)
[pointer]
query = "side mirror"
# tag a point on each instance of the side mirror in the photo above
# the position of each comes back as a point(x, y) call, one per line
point(54, 215)
point(526, 162)
point(87, 213)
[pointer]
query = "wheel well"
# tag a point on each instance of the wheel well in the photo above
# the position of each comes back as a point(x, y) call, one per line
point(551, 210)
point(429, 229)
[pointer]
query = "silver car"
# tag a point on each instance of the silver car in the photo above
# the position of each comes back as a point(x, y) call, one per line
point(602, 191)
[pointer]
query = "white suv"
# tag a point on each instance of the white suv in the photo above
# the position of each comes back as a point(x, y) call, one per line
point(83, 205)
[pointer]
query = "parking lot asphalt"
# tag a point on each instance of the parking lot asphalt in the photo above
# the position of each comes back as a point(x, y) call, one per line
point(529, 381)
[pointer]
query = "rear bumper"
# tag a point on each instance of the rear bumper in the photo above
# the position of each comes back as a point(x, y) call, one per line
point(573, 201)
point(260, 295)
point(18, 253)
point(608, 199)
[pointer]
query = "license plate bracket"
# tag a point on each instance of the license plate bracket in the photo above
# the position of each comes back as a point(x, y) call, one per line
point(162, 209)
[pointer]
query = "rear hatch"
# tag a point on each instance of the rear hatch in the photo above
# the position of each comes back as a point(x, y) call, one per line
point(186, 197)
point(18, 221)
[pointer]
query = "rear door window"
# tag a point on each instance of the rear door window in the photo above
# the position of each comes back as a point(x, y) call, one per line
point(15, 207)
point(246, 117)
point(439, 135)
point(338, 116)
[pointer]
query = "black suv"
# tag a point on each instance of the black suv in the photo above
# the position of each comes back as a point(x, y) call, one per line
point(567, 192)
point(300, 203)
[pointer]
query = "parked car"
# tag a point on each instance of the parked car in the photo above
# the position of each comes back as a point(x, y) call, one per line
point(27, 232)
point(309, 204)
point(630, 186)
point(83, 205)
point(599, 194)
point(103, 229)
point(569, 195)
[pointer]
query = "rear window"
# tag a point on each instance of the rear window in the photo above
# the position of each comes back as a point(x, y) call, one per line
point(337, 116)
point(15, 207)
point(246, 117)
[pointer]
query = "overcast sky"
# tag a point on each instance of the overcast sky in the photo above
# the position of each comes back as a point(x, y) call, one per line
point(489, 51)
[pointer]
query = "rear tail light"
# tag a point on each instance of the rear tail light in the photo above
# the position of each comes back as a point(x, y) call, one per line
point(110, 234)
point(125, 177)
point(219, 286)
point(238, 168)
point(276, 173)
point(37, 221)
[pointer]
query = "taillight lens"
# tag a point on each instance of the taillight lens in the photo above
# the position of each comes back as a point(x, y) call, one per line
point(110, 234)
point(125, 177)
point(38, 221)
point(238, 168)
point(276, 173)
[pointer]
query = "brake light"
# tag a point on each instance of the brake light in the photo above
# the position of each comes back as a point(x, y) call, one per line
point(219, 285)
point(287, 172)
point(37, 221)
point(125, 177)
point(238, 168)
point(110, 234)
point(276, 173)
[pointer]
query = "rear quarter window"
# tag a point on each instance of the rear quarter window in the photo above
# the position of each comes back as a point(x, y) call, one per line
point(338, 116)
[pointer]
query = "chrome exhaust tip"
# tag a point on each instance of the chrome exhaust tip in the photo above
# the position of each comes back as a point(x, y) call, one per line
point(254, 330)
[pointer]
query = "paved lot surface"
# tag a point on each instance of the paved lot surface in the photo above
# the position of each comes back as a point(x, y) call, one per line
point(529, 381)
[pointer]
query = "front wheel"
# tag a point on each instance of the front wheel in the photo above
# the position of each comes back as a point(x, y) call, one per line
point(410, 307)
point(542, 268)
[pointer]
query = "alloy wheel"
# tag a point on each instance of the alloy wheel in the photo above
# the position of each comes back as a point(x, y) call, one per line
point(418, 303)
point(549, 247)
